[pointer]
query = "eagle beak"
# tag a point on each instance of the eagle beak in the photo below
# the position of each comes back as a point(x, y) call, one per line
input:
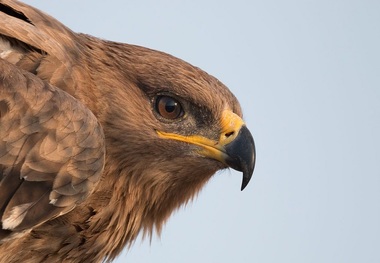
point(237, 142)
point(235, 147)
point(241, 155)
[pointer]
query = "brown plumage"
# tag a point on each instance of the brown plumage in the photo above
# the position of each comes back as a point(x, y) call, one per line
point(101, 140)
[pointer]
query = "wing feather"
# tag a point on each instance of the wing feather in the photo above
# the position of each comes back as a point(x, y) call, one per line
point(51, 150)
point(38, 43)
point(35, 28)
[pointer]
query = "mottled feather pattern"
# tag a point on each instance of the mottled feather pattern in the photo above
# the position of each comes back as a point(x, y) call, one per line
point(55, 142)
point(82, 168)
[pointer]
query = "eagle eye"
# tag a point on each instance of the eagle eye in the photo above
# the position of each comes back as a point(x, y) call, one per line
point(168, 107)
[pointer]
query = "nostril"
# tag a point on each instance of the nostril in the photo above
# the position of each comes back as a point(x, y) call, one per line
point(228, 134)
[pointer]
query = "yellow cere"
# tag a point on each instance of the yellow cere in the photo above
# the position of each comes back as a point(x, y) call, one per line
point(231, 125)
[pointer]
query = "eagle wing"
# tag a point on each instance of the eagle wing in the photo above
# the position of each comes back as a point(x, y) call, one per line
point(38, 43)
point(51, 146)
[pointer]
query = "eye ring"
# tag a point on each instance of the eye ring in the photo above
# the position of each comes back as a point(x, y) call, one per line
point(168, 107)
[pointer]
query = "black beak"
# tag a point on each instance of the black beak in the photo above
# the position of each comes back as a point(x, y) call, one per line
point(242, 155)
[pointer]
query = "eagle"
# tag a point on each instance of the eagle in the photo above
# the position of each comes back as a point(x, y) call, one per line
point(101, 141)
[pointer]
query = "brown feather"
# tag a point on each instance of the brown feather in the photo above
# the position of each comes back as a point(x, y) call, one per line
point(52, 143)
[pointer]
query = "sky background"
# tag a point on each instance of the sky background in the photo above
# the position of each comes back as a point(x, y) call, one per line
point(307, 74)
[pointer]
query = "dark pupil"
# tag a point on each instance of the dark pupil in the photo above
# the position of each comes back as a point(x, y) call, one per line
point(170, 106)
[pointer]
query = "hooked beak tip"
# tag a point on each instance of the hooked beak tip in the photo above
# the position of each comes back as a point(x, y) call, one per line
point(242, 155)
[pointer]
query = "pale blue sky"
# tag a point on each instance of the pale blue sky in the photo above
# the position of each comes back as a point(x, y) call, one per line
point(307, 74)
